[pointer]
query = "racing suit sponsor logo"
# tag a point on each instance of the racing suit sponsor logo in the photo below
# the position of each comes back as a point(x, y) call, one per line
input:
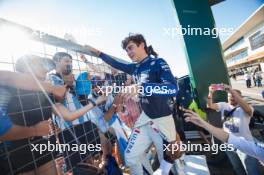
point(132, 140)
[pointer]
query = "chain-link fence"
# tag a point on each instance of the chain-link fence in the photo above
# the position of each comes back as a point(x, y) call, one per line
point(72, 141)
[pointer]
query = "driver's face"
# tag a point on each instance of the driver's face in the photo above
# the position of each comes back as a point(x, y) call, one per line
point(133, 51)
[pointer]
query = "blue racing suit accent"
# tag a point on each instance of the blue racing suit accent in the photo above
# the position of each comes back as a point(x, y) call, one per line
point(149, 70)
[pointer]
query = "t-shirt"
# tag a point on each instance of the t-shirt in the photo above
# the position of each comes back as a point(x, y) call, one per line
point(5, 95)
point(5, 122)
point(55, 79)
point(83, 85)
point(72, 103)
point(239, 123)
point(258, 75)
point(247, 77)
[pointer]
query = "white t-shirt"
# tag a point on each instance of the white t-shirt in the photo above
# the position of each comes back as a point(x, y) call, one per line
point(247, 77)
point(238, 125)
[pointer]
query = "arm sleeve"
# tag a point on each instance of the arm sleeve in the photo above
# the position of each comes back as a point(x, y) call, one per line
point(248, 147)
point(127, 68)
point(55, 80)
point(166, 76)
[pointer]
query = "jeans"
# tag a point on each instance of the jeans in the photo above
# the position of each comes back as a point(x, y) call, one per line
point(258, 81)
point(251, 164)
point(248, 83)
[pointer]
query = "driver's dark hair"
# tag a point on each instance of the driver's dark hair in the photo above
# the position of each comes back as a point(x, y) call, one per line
point(138, 39)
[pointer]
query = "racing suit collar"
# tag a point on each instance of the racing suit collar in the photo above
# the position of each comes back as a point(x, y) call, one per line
point(144, 60)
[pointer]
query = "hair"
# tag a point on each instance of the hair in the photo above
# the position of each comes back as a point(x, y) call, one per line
point(23, 62)
point(59, 55)
point(238, 91)
point(138, 39)
point(97, 81)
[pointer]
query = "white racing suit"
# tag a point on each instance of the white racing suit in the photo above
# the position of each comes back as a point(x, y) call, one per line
point(146, 132)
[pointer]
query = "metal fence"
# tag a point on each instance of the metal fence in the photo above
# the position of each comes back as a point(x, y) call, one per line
point(15, 41)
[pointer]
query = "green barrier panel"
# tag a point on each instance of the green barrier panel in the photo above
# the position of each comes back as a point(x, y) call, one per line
point(203, 52)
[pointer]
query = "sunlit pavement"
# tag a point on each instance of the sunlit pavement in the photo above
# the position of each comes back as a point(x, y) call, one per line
point(253, 92)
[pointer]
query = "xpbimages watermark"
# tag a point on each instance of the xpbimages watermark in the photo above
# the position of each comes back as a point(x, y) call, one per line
point(81, 148)
point(146, 89)
point(191, 147)
point(196, 31)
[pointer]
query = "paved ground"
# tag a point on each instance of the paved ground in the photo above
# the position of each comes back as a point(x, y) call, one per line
point(253, 92)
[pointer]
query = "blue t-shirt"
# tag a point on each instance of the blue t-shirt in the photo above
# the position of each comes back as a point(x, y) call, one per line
point(83, 86)
point(5, 96)
point(5, 123)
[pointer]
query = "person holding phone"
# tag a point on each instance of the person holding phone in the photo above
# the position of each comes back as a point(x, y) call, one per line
point(236, 115)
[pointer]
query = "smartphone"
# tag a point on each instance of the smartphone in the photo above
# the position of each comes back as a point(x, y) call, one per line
point(218, 87)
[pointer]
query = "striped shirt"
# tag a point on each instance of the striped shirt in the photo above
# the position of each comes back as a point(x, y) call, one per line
point(73, 104)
